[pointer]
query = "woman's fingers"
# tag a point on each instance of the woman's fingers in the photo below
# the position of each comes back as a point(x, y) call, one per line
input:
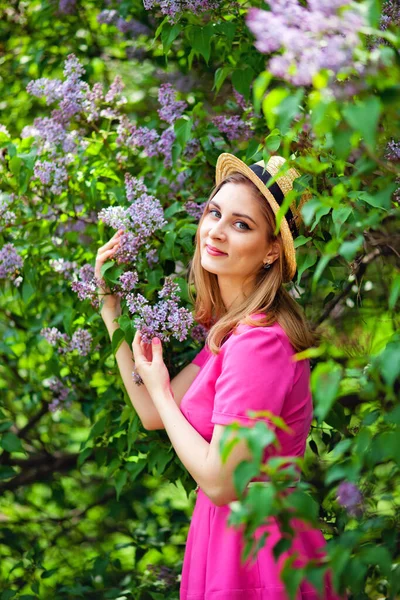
point(114, 240)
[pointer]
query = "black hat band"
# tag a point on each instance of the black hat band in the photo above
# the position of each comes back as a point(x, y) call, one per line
point(277, 193)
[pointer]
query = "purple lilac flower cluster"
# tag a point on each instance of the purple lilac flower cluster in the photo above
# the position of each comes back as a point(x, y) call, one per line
point(194, 209)
point(152, 257)
point(349, 496)
point(7, 217)
point(390, 14)
point(86, 285)
point(163, 574)
point(11, 264)
point(164, 319)
point(66, 7)
point(199, 333)
point(233, 127)
point(111, 17)
point(322, 36)
point(81, 340)
point(58, 144)
point(139, 221)
point(171, 109)
point(61, 393)
point(393, 151)
point(173, 8)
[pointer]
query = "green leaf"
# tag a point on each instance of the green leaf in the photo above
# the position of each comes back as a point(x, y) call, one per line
point(381, 199)
point(117, 339)
point(350, 248)
point(200, 39)
point(11, 443)
point(364, 117)
point(325, 381)
point(271, 103)
point(291, 577)
point(304, 262)
point(305, 506)
point(241, 79)
point(98, 428)
point(394, 291)
point(259, 87)
point(243, 473)
point(301, 240)
point(219, 77)
point(168, 35)
point(120, 481)
point(183, 128)
point(7, 472)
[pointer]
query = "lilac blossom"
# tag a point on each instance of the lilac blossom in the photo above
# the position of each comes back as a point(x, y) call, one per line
point(171, 109)
point(165, 318)
point(199, 333)
point(134, 187)
point(7, 217)
point(10, 264)
point(390, 14)
point(172, 8)
point(393, 151)
point(165, 146)
point(81, 341)
point(60, 392)
point(128, 280)
point(152, 257)
point(133, 27)
point(65, 267)
point(194, 209)
point(3, 129)
point(86, 285)
point(53, 336)
point(191, 149)
point(51, 173)
point(66, 7)
point(233, 127)
point(139, 221)
point(313, 38)
point(107, 17)
point(114, 92)
point(349, 496)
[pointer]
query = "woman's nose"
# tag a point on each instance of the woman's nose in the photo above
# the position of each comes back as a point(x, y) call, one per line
point(216, 230)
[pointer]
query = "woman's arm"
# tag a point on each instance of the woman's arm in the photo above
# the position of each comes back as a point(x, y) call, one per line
point(201, 459)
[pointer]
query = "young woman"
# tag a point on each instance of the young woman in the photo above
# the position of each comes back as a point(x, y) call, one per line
point(255, 328)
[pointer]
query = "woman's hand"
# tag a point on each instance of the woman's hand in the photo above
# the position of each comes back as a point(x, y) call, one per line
point(110, 303)
point(150, 365)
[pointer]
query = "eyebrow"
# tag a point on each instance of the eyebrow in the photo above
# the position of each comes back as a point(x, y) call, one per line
point(234, 214)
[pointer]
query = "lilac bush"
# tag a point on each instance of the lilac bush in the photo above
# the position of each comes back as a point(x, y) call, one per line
point(323, 35)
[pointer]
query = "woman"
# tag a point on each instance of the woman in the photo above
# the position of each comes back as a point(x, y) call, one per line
point(255, 327)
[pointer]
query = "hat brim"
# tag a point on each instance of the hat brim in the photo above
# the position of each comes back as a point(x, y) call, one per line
point(227, 164)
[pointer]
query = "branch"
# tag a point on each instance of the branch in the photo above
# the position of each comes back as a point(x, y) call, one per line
point(38, 470)
point(366, 260)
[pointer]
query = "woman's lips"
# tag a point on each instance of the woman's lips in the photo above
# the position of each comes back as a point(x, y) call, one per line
point(214, 252)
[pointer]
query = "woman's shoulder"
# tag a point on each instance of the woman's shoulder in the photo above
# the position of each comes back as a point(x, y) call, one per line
point(272, 331)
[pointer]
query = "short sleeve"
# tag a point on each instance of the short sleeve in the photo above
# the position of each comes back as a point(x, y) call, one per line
point(257, 374)
point(201, 357)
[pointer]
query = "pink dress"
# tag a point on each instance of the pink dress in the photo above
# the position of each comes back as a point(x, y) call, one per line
point(253, 371)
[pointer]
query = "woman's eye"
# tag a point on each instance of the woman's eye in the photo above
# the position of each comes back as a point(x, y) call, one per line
point(242, 222)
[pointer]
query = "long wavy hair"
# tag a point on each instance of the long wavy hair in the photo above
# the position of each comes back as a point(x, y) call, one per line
point(268, 295)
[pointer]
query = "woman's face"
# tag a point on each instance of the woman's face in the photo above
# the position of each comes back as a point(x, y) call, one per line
point(243, 239)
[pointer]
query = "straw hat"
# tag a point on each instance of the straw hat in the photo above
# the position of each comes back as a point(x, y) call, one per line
point(274, 194)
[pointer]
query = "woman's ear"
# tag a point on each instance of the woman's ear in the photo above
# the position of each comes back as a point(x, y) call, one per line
point(273, 252)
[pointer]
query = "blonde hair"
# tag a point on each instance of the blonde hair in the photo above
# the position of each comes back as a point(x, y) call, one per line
point(268, 295)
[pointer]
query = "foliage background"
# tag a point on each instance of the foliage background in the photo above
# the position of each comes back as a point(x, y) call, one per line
point(91, 504)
